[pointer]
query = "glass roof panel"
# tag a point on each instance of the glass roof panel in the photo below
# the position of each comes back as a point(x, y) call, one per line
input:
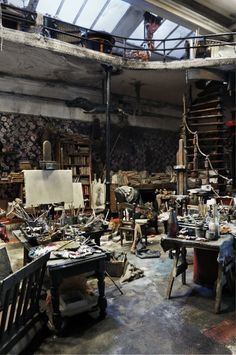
point(180, 32)
point(164, 30)
point(19, 3)
point(138, 33)
point(178, 53)
point(90, 12)
point(48, 7)
point(111, 15)
point(69, 10)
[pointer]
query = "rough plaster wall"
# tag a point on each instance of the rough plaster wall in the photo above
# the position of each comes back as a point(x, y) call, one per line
point(133, 148)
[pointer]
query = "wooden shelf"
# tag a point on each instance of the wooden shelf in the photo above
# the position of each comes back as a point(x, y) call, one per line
point(74, 152)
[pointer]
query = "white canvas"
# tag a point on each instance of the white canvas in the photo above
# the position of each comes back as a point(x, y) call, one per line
point(48, 186)
point(78, 199)
point(98, 194)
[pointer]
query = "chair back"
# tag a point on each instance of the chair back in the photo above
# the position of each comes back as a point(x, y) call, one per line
point(19, 299)
point(126, 212)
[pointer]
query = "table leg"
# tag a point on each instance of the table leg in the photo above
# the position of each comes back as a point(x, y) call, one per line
point(97, 239)
point(56, 314)
point(121, 238)
point(219, 283)
point(183, 259)
point(26, 258)
point(102, 301)
point(173, 273)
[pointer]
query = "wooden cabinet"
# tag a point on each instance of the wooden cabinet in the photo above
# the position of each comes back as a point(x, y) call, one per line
point(75, 154)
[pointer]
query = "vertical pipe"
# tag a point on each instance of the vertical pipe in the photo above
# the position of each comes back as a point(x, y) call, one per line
point(108, 70)
point(164, 48)
point(233, 81)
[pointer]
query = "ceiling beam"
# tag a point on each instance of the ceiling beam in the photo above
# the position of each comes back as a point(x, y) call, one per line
point(188, 15)
point(100, 13)
point(32, 5)
point(59, 7)
point(180, 14)
point(206, 12)
point(128, 22)
point(79, 12)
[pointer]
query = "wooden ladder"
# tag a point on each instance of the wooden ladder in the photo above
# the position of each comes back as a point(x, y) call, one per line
point(205, 116)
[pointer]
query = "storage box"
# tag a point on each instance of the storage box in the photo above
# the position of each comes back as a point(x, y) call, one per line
point(115, 267)
point(25, 165)
point(75, 302)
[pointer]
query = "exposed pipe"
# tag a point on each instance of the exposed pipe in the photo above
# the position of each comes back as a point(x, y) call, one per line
point(108, 70)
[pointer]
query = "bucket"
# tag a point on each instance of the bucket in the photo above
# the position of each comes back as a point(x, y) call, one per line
point(205, 267)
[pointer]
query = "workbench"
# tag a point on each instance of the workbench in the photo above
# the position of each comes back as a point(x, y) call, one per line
point(61, 268)
point(224, 246)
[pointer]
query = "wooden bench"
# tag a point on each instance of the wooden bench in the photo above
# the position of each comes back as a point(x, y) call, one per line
point(20, 315)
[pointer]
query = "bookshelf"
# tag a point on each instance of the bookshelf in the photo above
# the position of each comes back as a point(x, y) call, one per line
point(75, 154)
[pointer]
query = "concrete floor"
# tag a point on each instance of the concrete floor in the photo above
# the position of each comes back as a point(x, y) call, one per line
point(142, 321)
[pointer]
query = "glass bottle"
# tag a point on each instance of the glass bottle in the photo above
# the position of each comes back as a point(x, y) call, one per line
point(172, 224)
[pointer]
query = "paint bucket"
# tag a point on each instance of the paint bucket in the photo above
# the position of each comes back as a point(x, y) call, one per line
point(205, 267)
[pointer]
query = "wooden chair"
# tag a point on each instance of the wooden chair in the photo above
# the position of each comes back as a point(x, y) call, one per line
point(5, 264)
point(126, 214)
point(20, 315)
point(133, 222)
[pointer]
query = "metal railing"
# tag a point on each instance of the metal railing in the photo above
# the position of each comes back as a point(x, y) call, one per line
point(121, 46)
point(158, 49)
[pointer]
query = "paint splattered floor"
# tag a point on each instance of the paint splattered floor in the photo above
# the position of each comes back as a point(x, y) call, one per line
point(142, 321)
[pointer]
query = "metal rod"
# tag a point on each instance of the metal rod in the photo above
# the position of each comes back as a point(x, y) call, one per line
point(114, 282)
point(108, 70)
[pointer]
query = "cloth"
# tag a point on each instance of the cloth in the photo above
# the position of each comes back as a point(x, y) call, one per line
point(147, 254)
point(226, 251)
point(126, 194)
point(131, 273)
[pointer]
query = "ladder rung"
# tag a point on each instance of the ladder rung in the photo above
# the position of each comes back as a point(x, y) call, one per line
point(212, 131)
point(211, 139)
point(207, 124)
point(206, 147)
point(206, 96)
point(209, 154)
point(205, 110)
point(218, 161)
point(206, 103)
point(206, 116)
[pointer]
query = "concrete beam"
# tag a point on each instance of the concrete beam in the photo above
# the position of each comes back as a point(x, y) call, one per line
point(199, 21)
point(90, 56)
point(32, 5)
point(198, 74)
point(180, 14)
point(33, 89)
point(47, 89)
point(206, 12)
point(57, 109)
